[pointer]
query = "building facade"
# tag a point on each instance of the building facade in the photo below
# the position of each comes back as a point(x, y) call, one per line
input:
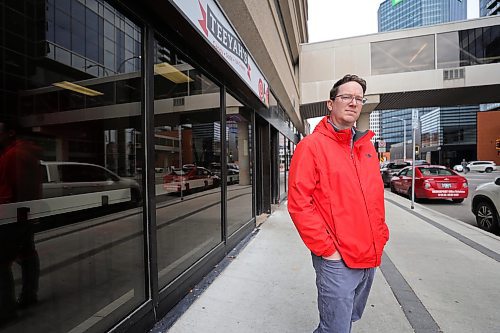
point(375, 125)
point(403, 14)
point(489, 7)
point(448, 135)
point(152, 121)
point(488, 136)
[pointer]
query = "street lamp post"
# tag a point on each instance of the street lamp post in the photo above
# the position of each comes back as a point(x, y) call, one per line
point(404, 135)
point(124, 61)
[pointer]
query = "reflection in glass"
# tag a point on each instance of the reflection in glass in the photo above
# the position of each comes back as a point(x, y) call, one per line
point(468, 47)
point(402, 55)
point(187, 143)
point(71, 223)
point(282, 164)
point(238, 163)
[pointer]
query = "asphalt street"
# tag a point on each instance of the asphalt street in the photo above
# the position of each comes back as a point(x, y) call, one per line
point(461, 211)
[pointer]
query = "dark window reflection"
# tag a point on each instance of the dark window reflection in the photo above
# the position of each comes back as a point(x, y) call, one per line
point(238, 164)
point(469, 47)
point(71, 224)
point(282, 163)
point(187, 144)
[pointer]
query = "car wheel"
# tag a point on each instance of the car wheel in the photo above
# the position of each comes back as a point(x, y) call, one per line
point(393, 189)
point(486, 216)
point(488, 170)
point(458, 200)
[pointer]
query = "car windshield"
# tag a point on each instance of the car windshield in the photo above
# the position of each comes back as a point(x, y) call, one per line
point(436, 172)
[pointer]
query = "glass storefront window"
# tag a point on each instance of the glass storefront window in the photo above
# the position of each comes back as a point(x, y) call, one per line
point(402, 55)
point(239, 164)
point(187, 144)
point(282, 163)
point(71, 217)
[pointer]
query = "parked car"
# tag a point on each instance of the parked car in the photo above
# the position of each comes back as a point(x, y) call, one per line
point(73, 178)
point(189, 178)
point(431, 182)
point(458, 168)
point(233, 171)
point(391, 169)
point(419, 162)
point(71, 188)
point(486, 205)
point(481, 166)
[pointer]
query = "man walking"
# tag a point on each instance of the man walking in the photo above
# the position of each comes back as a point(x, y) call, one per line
point(336, 201)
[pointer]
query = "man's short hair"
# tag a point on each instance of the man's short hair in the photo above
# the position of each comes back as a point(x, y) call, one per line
point(345, 79)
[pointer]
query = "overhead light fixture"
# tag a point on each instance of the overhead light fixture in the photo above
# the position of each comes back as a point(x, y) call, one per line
point(77, 88)
point(170, 72)
point(418, 52)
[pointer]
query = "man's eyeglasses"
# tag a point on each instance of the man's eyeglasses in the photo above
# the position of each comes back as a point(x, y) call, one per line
point(348, 98)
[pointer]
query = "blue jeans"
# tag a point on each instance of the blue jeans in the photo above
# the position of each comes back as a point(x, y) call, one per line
point(342, 294)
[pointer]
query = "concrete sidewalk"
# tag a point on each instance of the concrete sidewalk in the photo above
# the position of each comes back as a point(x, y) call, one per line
point(438, 275)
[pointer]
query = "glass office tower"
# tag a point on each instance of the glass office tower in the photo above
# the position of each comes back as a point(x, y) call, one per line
point(402, 14)
point(489, 7)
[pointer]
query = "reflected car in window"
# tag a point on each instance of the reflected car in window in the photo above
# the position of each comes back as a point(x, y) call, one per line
point(233, 172)
point(431, 182)
point(189, 178)
point(97, 184)
point(71, 187)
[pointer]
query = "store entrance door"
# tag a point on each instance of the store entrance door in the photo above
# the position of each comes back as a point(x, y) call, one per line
point(263, 166)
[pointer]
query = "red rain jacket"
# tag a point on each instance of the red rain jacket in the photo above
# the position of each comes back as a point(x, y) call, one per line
point(336, 196)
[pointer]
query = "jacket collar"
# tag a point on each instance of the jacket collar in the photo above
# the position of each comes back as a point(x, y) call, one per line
point(327, 128)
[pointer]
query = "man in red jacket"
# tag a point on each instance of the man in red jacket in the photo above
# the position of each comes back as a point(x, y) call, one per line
point(336, 201)
point(20, 181)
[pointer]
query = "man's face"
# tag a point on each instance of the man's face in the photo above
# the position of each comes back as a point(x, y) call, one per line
point(344, 114)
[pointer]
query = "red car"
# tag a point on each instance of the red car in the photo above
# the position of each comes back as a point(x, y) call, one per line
point(431, 182)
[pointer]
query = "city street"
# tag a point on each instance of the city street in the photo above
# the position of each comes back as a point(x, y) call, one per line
point(461, 211)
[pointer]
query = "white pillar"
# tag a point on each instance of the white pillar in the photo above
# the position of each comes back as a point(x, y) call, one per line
point(244, 153)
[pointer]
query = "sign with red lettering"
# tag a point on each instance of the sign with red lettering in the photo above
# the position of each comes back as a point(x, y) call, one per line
point(208, 19)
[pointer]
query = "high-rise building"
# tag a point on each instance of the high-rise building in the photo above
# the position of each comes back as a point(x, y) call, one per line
point(375, 124)
point(489, 7)
point(402, 14)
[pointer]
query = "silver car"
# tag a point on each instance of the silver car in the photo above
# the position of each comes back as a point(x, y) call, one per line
point(73, 178)
point(486, 205)
point(481, 166)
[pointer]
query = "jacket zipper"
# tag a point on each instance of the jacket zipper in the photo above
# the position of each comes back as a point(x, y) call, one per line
point(364, 198)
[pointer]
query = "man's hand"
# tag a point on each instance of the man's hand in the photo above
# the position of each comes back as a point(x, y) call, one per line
point(335, 256)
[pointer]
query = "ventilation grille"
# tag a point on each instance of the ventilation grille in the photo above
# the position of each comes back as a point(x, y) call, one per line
point(453, 74)
point(179, 101)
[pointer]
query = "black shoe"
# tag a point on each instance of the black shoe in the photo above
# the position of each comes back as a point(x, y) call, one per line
point(26, 301)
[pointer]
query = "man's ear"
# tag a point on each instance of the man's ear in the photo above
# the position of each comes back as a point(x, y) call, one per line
point(329, 105)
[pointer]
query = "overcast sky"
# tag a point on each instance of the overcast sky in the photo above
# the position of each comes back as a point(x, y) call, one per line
point(333, 19)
